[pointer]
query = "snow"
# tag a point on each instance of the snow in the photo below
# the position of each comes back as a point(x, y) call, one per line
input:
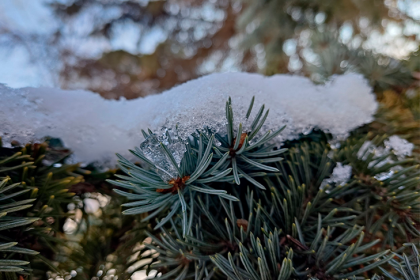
point(365, 150)
point(341, 174)
point(368, 148)
point(396, 145)
point(388, 174)
point(400, 147)
point(95, 129)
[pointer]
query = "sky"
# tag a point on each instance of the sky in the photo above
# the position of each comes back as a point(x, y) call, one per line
point(24, 20)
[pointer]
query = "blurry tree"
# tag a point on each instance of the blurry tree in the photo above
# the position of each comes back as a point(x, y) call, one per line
point(168, 42)
point(322, 38)
point(133, 48)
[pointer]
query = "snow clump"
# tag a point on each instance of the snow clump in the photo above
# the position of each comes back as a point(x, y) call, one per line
point(95, 128)
point(341, 175)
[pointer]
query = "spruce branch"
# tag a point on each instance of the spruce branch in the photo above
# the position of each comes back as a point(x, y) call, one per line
point(290, 226)
point(33, 196)
point(247, 156)
point(198, 167)
point(386, 197)
point(407, 267)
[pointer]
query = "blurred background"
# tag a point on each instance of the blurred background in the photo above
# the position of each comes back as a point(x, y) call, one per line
point(133, 48)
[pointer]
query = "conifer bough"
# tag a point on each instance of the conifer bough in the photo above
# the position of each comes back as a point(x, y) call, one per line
point(33, 204)
point(204, 162)
point(236, 210)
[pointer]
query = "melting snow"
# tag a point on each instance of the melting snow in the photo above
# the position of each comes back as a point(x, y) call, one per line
point(95, 129)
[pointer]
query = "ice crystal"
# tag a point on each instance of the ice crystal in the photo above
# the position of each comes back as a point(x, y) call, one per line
point(95, 129)
point(153, 150)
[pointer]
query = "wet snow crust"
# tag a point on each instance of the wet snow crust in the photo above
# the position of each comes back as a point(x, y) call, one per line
point(95, 128)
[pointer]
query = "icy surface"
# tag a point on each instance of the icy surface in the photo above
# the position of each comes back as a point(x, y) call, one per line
point(95, 129)
point(153, 150)
point(341, 174)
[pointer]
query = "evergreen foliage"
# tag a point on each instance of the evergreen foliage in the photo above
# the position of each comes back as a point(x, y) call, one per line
point(284, 224)
point(407, 267)
point(387, 197)
point(334, 57)
point(239, 207)
point(34, 197)
point(316, 29)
